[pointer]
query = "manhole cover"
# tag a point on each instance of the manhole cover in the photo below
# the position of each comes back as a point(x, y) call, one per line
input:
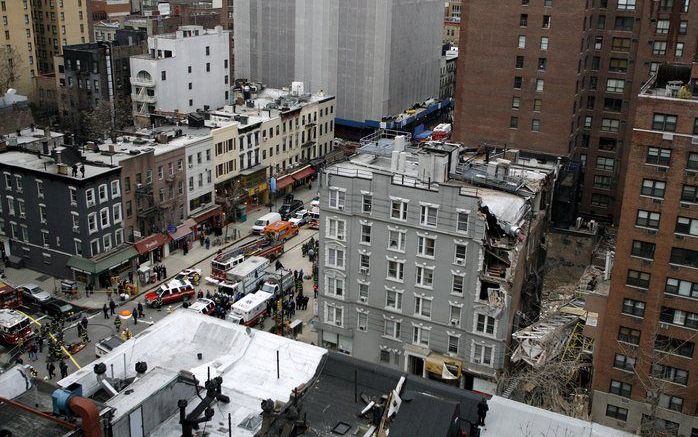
point(43, 278)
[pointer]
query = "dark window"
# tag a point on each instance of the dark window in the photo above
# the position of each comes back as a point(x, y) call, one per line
point(612, 105)
point(633, 307)
point(695, 126)
point(689, 193)
point(542, 63)
point(163, 75)
point(684, 257)
point(686, 226)
point(601, 22)
point(658, 156)
point(668, 373)
point(523, 20)
point(679, 317)
point(208, 50)
point(519, 62)
point(546, 21)
point(651, 187)
point(517, 82)
point(638, 279)
point(595, 63)
point(616, 412)
point(664, 122)
point(647, 219)
point(624, 362)
point(674, 346)
point(624, 23)
point(628, 335)
point(620, 44)
point(618, 65)
point(692, 161)
point(514, 122)
point(643, 249)
point(620, 388)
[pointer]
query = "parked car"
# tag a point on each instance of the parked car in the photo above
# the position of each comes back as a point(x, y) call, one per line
point(56, 308)
point(289, 208)
point(170, 292)
point(281, 231)
point(264, 221)
point(315, 203)
point(203, 306)
point(32, 293)
point(300, 218)
point(193, 275)
point(106, 345)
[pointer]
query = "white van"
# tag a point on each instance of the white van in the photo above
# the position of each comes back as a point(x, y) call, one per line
point(264, 221)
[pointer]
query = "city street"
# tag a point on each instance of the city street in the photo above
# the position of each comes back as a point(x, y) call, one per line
point(100, 328)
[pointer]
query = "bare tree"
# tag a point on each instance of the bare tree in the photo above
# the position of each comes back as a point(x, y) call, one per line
point(10, 62)
point(104, 121)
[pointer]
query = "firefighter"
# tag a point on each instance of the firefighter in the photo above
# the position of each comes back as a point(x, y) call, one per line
point(117, 324)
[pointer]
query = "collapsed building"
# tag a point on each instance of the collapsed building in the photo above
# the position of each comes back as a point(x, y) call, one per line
point(431, 255)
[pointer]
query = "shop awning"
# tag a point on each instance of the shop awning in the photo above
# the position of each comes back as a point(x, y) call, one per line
point(183, 230)
point(298, 175)
point(284, 182)
point(303, 173)
point(99, 265)
point(444, 366)
point(207, 213)
point(150, 243)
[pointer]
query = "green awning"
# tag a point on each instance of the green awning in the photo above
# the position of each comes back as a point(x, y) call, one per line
point(96, 266)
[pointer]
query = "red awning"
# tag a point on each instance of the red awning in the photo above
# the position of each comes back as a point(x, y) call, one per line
point(284, 182)
point(150, 243)
point(304, 173)
point(205, 215)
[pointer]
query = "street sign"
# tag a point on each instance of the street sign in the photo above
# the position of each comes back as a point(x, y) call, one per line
point(171, 228)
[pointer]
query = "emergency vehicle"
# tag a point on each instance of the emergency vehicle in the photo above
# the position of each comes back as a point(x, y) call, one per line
point(13, 327)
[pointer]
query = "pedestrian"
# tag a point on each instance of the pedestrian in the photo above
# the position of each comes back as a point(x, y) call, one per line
point(32, 351)
point(117, 324)
point(315, 291)
point(208, 243)
point(130, 277)
point(40, 343)
point(293, 308)
point(82, 170)
point(51, 369)
point(164, 271)
point(64, 369)
point(83, 322)
point(105, 310)
point(112, 306)
point(135, 316)
point(482, 409)
point(140, 310)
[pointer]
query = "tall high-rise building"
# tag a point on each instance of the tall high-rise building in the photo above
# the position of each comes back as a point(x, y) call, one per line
point(645, 365)
point(562, 77)
point(58, 23)
point(17, 55)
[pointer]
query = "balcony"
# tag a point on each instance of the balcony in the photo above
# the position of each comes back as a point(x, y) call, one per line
point(142, 96)
point(143, 79)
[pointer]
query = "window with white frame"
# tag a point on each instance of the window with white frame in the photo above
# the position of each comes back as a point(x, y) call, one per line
point(462, 222)
point(103, 197)
point(337, 198)
point(10, 205)
point(454, 318)
point(335, 257)
point(484, 324)
point(115, 189)
point(626, 5)
point(106, 241)
point(425, 246)
point(424, 276)
point(366, 234)
point(334, 315)
point(458, 284)
point(76, 221)
point(74, 196)
point(25, 232)
point(104, 217)
point(45, 237)
point(13, 230)
point(42, 213)
point(422, 306)
point(20, 208)
point(18, 182)
point(453, 344)
point(428, 215)
point(366, 203)
point(8, 181)
point(392, 329)
point(396, 240)
point(482, 354)
point(461, 250)
point(90, 197)
point(420, 335)
point(362, 321)
point(363, 291)
point(118, 237)
point(40, 189)
point(116, 212)
point(92, 222)
point(334, 286)
point(396, 270)
point(94, 247)
point(398, 209)
point(335, 228)
point(364, 262)
point(393, 300)
point(78, 247)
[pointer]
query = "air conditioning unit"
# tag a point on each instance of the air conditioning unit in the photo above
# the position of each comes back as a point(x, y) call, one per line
point(679, 237)
point(340, 236)
point(652, 231)
point(455, 322)
point(658, 201)
point(684, 205)
point(664, 325)
point(76, 229)
point(363, 270)
point(340, 207)
point(363, 299)
point(694, 140)
point(460, 261)
point(338, 322)
point(191, 165)
point(22, 215)
point(668, 136)
point(362, 328)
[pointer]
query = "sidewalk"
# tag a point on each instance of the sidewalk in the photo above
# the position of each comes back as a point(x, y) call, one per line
point(175, 263)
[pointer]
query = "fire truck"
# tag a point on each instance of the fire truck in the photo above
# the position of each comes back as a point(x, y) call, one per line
point(262, 246)
point(13, 327)
point(10, 297)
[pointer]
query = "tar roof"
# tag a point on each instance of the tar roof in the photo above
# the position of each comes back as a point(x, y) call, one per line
point(46, 164)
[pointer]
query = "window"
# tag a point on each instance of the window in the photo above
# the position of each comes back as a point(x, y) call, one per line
point(363, 292)
point(546, 22)
point(598, 43)
point(616, 412)
point(94, 247)
point(40, 189)
point(460, 254)
point(516, 102)
point(624, 23)
point(163, 75)
point(643, 249)
point(482, 354)
point(428, 215)
point(610, 125)
point(624, 362)
point(364, 262)
point(540, 83)
point(523, 20)
point(692, 161)
point(362, 322)
point(542, 63)
point(457, 284)
point(620, 44)
point(424, 276)
point(620, 388)
point(633, 307)
point(453, 344)
point(537, 104)
point(422, 307)
point(392, 329)
point(366, 203)
point(680, 287)
point(681, 318)
point(615, 85)
point(398, 209)
point(522, 41)
point(662, 27)
point(92, 222)
point(333, 315)
point(485, 324)
point(544, 42)
point(335, 286)
point(683, 27)
point(664, 122)
point(335, 257)
point(420, 336)
point(535, 125)
point(686, 226)
point(337, 198)
point(605, 164)
point(514, 122)
point(115, 189)
point(689, 193)
point(454, 317)
point(670, 402)
point(648, 219)
point(626, 5)
point(425, 246)
point(653, 188)
point(671, 374)
point(658, 156)
point(208, 67)
point(366, 234)
point(396, 270)
point(208, 50)
point(684, 257)
point(396, 240)
point(106, 242)
point(602, 182)
point(393, 299)
point(90, 197)
point(116, 212)
point(519, 62)
point(76, 221)
point(104, 217)
point(612, 105)
point(629, 335)
point(601, 22)
point(659, 48)
point(518, 82)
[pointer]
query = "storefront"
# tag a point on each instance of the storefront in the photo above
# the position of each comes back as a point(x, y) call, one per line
point(152, 249)
point(300, 177)
point(181, 236)
point(209, 220)
point(99, 271)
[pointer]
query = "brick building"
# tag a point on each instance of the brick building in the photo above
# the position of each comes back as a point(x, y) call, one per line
point(645, 373)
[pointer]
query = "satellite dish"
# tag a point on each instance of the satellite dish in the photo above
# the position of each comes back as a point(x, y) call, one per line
point(11, 92)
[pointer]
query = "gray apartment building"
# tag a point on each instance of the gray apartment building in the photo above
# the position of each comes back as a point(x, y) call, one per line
point(378, 58)
point(426, 256)
point(63, 224)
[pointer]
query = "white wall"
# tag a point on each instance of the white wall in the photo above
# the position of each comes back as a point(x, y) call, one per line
point(197, 169)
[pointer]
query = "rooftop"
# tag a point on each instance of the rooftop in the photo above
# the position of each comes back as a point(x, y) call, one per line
point(676, 82)
point(48, 165)
point(30, 135)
